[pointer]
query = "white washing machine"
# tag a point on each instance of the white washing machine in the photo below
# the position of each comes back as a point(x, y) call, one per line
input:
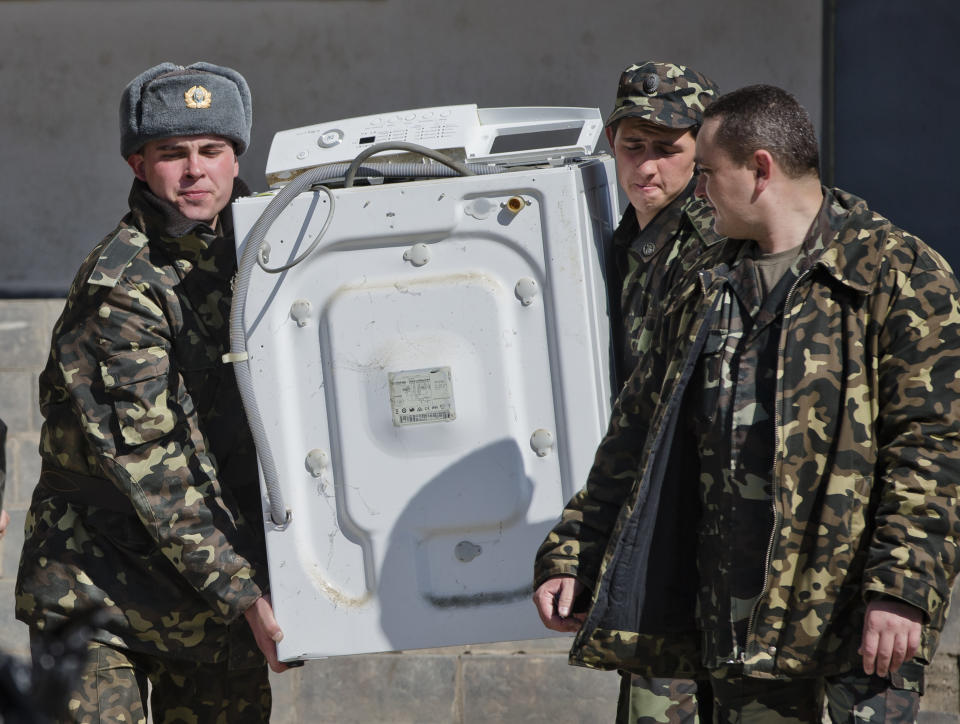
point(431, 376)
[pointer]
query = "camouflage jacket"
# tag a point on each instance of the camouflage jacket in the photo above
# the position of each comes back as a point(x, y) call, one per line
point(149, 502)
point(645, 260)
point(865, 466)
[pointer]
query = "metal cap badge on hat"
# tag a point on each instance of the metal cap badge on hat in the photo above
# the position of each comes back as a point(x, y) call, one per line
point(663, 93)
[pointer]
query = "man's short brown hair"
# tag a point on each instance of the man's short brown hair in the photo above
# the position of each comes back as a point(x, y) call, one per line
point(766, 117)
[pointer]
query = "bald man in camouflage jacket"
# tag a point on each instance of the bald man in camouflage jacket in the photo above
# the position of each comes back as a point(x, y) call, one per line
point(148, 504)
point(774, 504)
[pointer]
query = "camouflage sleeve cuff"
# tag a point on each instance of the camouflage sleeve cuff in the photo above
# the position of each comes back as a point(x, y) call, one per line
point(545, 570)
point(240, 595)
point(871, 596)
point(920, 595)
point(554, 562)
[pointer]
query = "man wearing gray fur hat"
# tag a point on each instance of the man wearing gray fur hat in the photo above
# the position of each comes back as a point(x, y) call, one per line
point(148, 502)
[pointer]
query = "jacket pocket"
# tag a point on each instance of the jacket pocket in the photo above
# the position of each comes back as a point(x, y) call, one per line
point(137, 383)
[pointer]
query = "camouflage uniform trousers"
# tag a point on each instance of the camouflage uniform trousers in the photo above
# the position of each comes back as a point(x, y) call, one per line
point(853, 697)
point(113, 688)
point(662, 701)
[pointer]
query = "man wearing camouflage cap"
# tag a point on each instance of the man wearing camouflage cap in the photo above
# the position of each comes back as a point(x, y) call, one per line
point(775, 501)
point(148, 504)
point(652, 133)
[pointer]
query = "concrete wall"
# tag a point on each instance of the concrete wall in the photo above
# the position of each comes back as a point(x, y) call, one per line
point(65, 62)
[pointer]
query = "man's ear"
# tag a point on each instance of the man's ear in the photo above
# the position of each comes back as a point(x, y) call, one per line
point(763, 167)
point(136, 162)
point(611, 134)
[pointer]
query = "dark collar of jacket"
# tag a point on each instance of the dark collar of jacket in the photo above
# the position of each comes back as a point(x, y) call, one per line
point(193, 241)
point(845, 239)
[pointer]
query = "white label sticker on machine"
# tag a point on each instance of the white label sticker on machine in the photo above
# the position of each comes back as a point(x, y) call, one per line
point(419, 396)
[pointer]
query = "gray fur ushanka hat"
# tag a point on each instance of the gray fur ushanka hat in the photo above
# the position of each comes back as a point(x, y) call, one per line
point(172, 100)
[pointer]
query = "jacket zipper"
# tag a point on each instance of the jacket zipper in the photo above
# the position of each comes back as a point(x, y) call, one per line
point(777, 424)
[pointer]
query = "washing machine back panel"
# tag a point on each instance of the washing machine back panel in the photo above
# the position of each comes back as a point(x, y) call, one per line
point(433, 379)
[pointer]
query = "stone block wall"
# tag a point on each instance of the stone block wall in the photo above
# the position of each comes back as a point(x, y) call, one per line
point(528, 681)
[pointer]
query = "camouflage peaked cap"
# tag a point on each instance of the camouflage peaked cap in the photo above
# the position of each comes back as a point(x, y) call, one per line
point(663, 93)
